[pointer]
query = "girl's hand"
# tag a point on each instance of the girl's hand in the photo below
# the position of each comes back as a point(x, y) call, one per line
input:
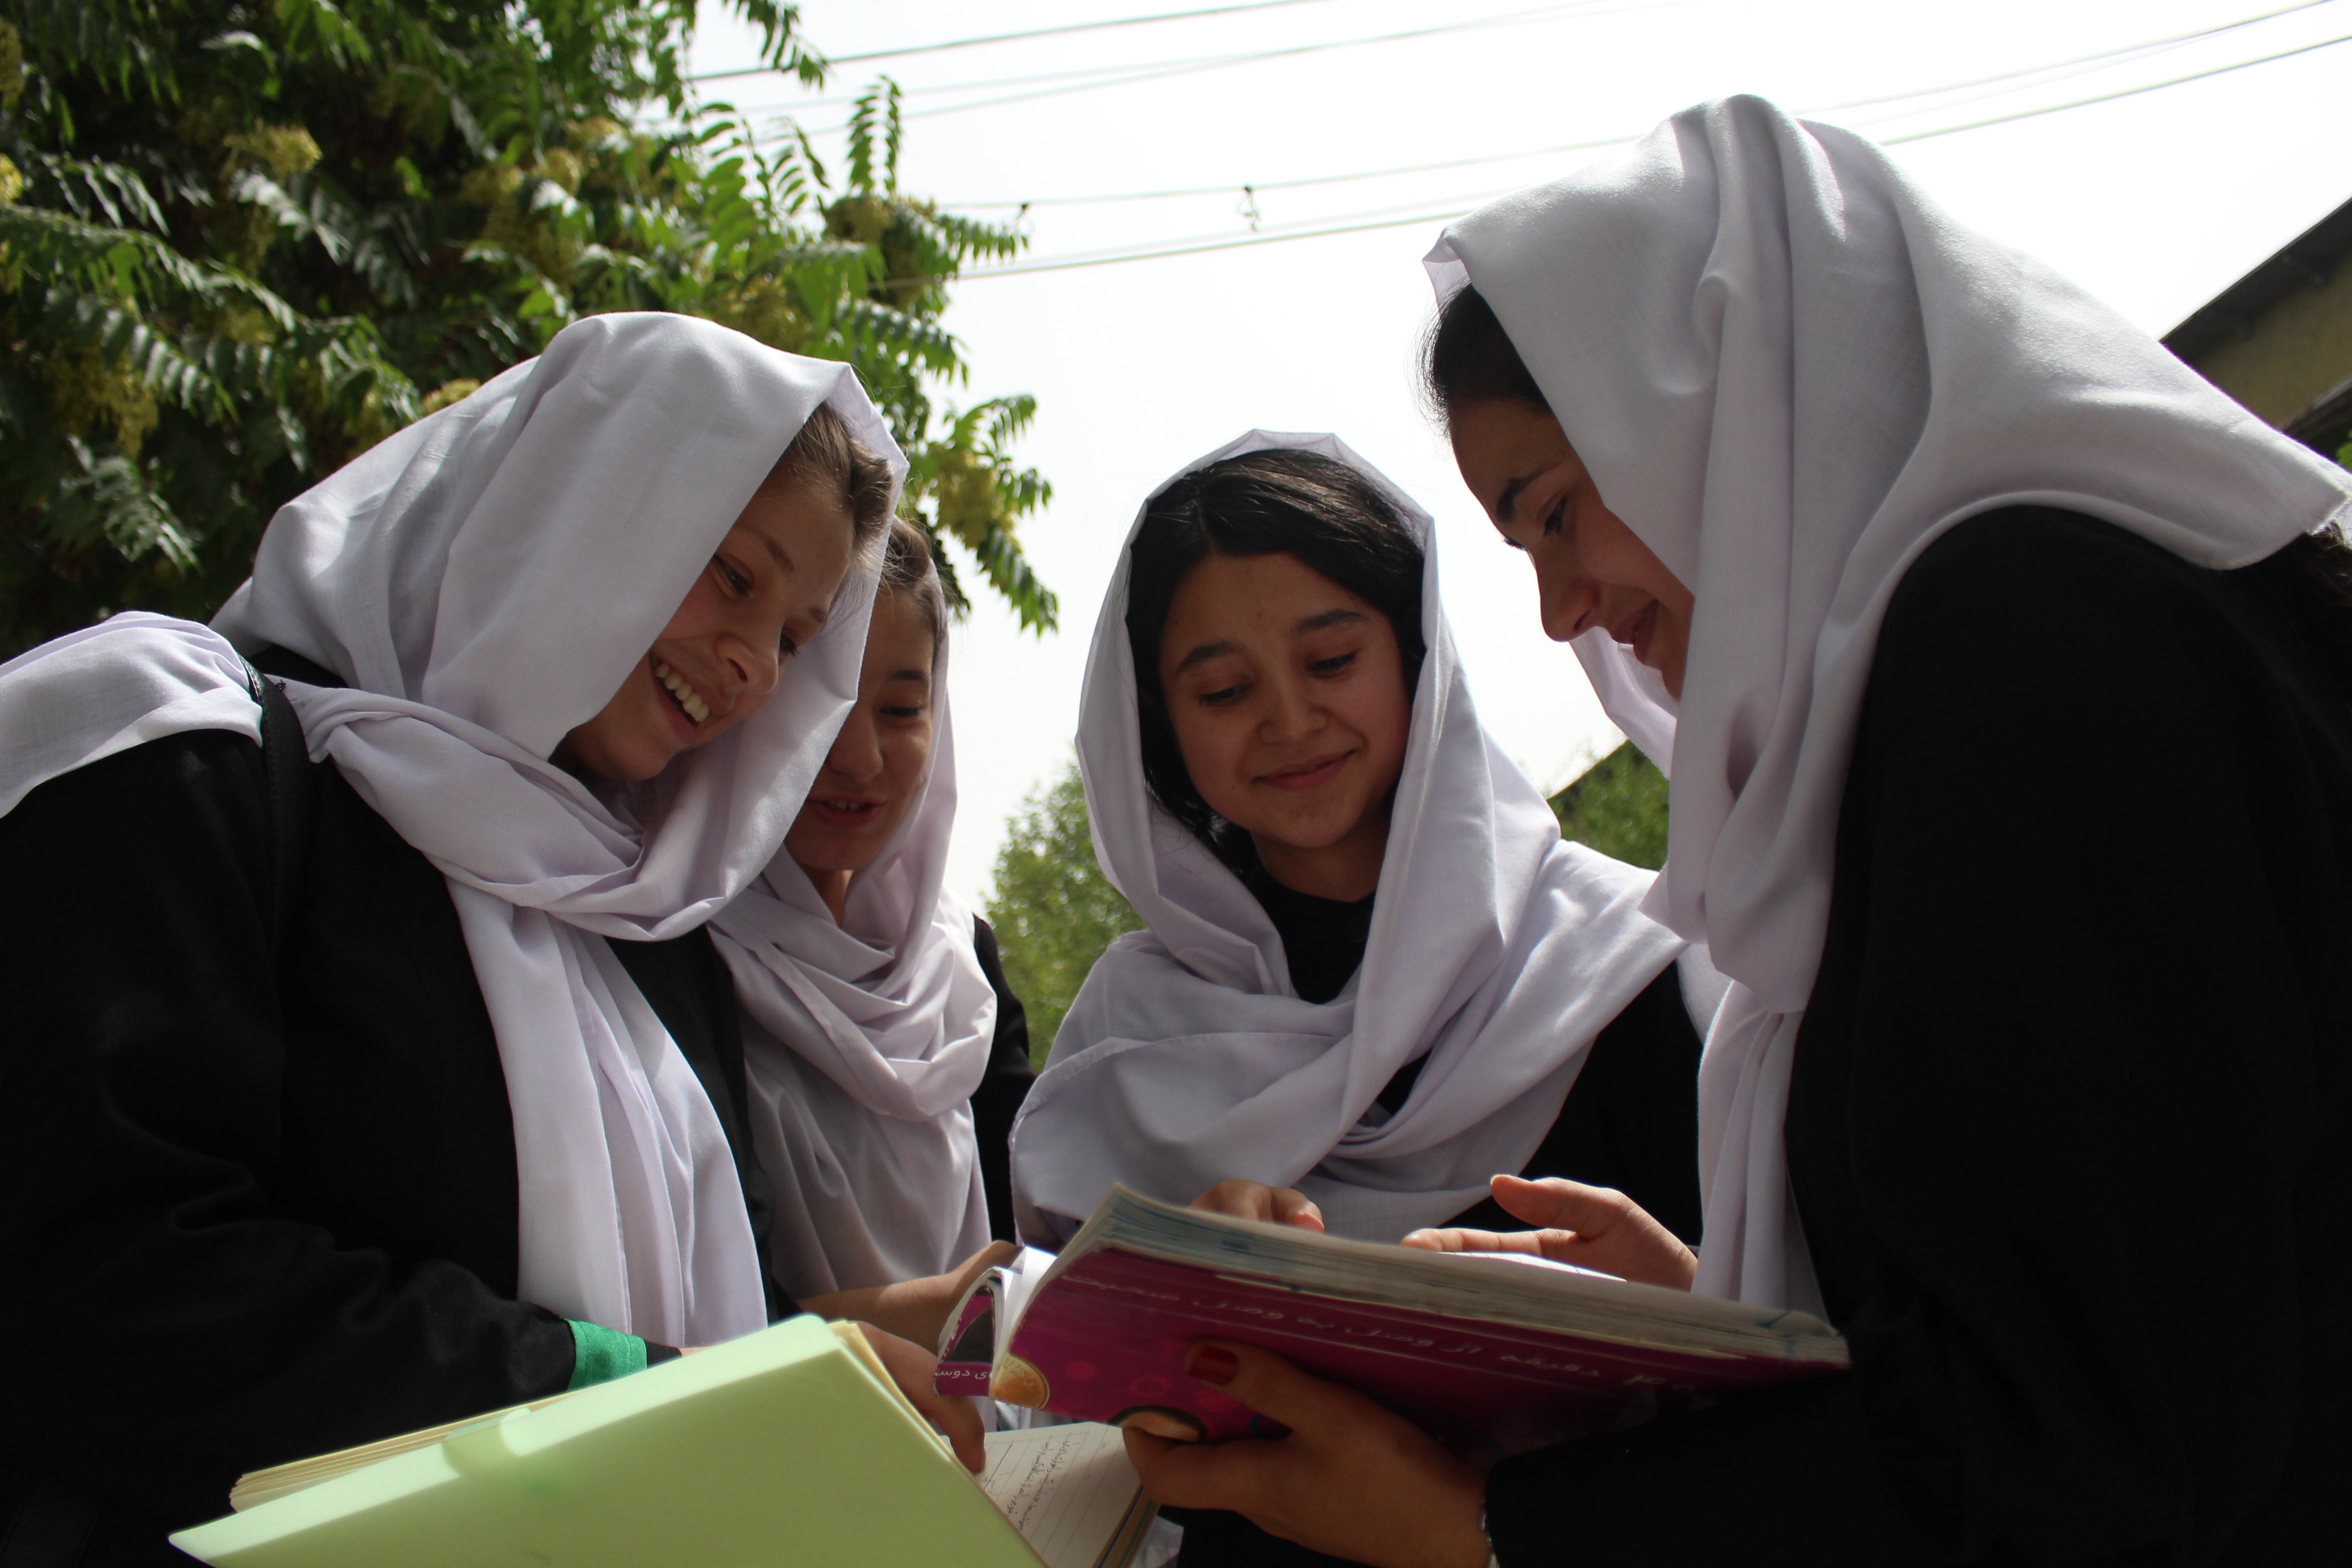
point(1255, 1200)
point(1592, 1228)
point(1352, 1479)
point(912, 1367)
point(913, 1310)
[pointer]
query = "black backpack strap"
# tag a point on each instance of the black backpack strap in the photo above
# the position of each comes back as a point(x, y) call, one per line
point(286, 762)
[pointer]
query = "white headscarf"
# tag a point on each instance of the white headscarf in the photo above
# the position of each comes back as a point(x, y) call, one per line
point(863, 1043)
point(484, 581)
point(1788, 373)
point(1495, 949)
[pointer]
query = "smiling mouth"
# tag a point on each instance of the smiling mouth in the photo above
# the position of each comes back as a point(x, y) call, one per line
point(1634, 631)
point(682, 692)
point(845, 813)
point(1308, 774)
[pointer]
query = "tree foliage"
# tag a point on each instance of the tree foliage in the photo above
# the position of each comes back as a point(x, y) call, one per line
point(243, 240)
point(1618, 806)
point(1054, 910)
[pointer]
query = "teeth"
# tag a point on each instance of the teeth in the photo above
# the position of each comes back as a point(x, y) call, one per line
point(687, 697)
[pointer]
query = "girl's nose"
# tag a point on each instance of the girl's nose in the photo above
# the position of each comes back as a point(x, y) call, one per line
point(754, 668)
point(1290, 710)
point(856, 753)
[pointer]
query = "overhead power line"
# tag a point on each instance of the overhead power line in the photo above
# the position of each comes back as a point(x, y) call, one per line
point(1060, 31)
point(1576, 10)
point(2124, 92)
point(2085, 60)
point(1200, 246)
point(1138, 72)
point(1232, 186)
point(1457, 207)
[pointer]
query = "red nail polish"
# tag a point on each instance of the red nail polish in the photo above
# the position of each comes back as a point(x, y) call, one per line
point(1211, 1363)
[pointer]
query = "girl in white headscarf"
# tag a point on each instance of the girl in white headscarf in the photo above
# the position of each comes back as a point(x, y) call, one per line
point(1371, 972)
point(886, 1054)
point(2005, 671)
point(369, 1066)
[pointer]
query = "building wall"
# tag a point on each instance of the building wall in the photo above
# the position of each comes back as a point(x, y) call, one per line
point(2300, 350)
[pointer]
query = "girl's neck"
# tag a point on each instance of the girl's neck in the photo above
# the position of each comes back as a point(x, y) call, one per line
point(833, 887)
point(1346, 870)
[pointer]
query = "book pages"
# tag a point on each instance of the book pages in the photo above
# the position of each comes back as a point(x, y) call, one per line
point(1071, 1493)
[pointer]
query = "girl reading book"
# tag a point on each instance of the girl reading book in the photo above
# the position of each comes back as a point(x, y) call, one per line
point(885, 1053)
point(2005, 670)
point(370, 1067)
point(1371, 972)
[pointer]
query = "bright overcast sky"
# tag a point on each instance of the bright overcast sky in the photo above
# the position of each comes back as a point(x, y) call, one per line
point(2156, 201)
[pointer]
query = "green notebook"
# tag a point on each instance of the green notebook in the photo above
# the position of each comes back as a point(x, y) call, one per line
point(786, 1446)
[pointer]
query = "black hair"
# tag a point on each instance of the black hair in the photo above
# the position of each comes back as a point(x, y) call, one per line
point(1281, 501)
point(1468, 358)
point(2307, 583)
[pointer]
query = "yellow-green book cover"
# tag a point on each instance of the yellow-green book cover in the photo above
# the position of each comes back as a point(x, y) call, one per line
point(785, 1447)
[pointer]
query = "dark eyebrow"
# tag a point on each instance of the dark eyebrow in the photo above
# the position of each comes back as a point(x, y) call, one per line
point(922, 674)
point(1203, 654)
point(1507, 502)
point(1327, 620)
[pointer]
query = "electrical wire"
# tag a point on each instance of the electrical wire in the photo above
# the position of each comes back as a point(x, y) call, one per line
point(1577, 11)
point(2090, 62)
point(2115, 56)
point(1139, 73)
point(1242, 242)
point(1456, 207)
point(2111, 97)
point(2083, 60)
point(1058, 31)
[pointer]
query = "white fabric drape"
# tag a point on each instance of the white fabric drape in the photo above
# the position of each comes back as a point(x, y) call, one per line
point(1789, 371)
point(863, 1042)
point(1495, 949)
point(484, 581)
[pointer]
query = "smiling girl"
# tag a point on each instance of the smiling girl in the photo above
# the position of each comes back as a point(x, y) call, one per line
point(369, 1066)
point(886, 1055)
point(2004, 667)
point(1372, 975)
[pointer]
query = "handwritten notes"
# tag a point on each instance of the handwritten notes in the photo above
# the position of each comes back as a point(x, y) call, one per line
point(1069, 1490)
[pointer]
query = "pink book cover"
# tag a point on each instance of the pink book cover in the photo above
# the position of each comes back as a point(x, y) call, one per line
point(1103, 1336)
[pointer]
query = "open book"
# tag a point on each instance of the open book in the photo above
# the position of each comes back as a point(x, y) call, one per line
point(1492, 1355)
point(789, 1447)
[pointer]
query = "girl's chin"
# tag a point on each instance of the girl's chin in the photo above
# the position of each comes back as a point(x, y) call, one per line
point(1302, 838)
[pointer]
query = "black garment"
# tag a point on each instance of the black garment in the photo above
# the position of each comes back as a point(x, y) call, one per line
point(2068, 1126)
point(1322, 938)
point(253, 1214)
point(1002, 1089)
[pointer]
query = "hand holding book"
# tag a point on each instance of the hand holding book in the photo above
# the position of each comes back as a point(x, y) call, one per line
point(1494, 1354)
point(1255, 1200)
point(1587, 1227)
point(1352, 1479)
point(911, 1308)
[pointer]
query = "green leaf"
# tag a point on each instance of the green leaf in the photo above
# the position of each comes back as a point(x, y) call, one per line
point(1618, 806)
point(1054, 911)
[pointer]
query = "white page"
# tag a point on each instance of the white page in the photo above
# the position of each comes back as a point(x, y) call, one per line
point(1065, 1488)
point(1017, 1280)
